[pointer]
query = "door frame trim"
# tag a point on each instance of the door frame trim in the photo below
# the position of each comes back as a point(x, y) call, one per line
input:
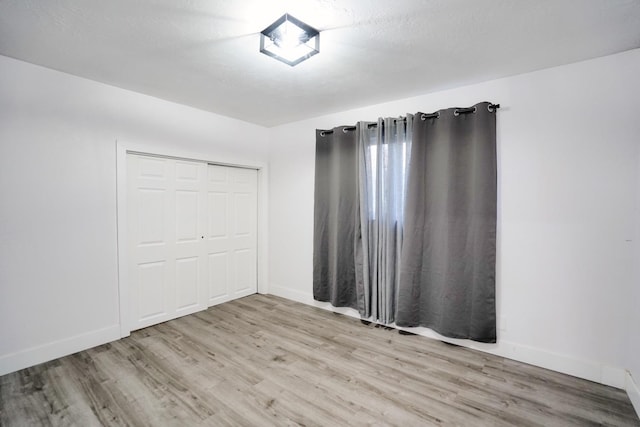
point(124, 148)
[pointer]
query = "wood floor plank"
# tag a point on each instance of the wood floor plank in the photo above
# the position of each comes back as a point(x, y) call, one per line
point(267, 361)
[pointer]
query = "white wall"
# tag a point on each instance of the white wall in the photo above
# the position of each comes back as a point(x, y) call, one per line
point(633, 347)
point(568, 157)
point(58, 261)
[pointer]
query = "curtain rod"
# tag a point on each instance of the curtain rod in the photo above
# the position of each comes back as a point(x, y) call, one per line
point(491, 107)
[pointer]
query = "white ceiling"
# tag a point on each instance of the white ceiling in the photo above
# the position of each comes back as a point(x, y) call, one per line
point(204, 53)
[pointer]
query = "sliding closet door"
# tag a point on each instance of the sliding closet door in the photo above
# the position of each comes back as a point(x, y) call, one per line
point(232, 232)
point(166, 223)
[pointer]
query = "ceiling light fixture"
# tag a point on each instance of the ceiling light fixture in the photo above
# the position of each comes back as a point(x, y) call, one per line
point(290, 40)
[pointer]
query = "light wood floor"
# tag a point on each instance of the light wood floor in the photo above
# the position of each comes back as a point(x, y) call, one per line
point(263, 361)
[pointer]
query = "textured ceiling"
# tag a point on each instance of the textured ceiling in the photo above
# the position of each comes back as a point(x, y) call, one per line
point(204, 53)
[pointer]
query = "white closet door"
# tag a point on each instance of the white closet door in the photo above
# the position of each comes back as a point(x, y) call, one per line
point(232, 232)
point(166, 223)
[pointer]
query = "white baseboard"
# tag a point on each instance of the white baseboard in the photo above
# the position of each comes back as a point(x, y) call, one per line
point(291, 294)
point(633, 391)
point(570, 365)
point(306, 298)
point(43, 353)
point(586, 369)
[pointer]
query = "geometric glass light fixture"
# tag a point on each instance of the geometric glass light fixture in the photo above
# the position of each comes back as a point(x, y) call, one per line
point(290, 40)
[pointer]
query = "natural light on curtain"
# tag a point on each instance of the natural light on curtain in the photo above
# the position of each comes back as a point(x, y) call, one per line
point(384, 151)
point(373, 162)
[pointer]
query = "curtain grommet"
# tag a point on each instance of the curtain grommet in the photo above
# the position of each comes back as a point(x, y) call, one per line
point(457, 112)
point(424, 117)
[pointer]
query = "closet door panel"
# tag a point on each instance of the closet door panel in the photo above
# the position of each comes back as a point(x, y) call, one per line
point(165, 217)
point(151, 290)
point(188, 279)
point(232, 238)
point(218, 276)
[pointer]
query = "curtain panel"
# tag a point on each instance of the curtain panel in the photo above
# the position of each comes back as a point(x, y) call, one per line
point(384, 151)
point(447, 278)
point(336, 231)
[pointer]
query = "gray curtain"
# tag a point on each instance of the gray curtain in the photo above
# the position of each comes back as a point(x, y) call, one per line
point(336, 219)
point(383, 152)
point(447, 277)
